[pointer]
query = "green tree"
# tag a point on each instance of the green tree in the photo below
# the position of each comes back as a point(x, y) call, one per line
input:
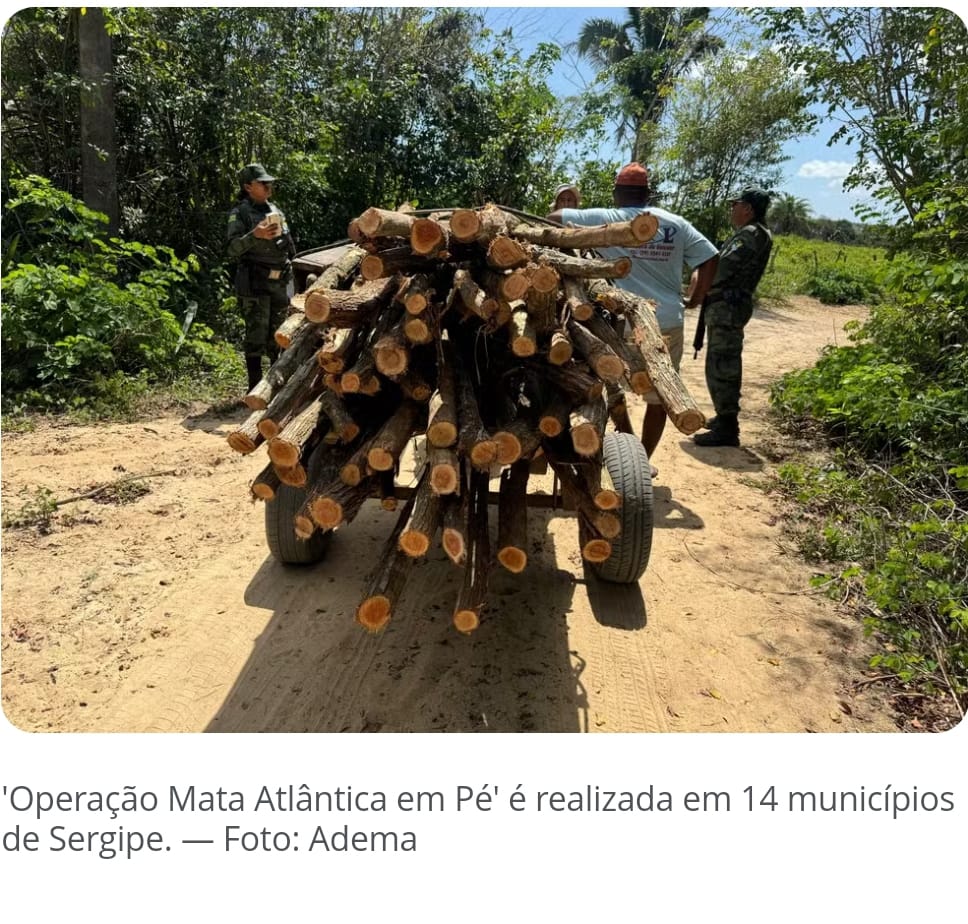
point(895, 78)
point(641, 59)
point(727, 127)
point(790, 214)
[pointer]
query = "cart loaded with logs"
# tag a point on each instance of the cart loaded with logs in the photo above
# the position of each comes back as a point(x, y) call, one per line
point(497, 349)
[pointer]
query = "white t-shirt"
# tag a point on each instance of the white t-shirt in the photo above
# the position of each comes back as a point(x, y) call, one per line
point(656, 265)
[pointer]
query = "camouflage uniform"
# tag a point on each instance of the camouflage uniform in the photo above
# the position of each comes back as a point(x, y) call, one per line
point(728, 308)
point(262, 276)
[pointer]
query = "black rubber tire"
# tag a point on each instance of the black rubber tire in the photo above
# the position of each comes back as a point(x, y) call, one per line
point(628, 466)
point(284, 545)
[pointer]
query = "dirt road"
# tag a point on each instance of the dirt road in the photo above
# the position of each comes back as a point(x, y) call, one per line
point(166, 613)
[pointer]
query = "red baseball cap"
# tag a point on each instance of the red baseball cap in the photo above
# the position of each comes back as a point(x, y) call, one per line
point(633, 174)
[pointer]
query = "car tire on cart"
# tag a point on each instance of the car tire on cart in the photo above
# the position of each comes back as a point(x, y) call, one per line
point(284, 545)
point(628, 467)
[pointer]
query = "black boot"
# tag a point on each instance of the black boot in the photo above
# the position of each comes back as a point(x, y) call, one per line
point(724, 431)
point(253, 365)
point(711, 423)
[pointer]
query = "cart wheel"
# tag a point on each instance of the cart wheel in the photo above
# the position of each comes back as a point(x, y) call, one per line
point(284, 545)
point(628, 466)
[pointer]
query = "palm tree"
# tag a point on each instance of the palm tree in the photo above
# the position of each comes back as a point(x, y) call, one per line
point(790, 214)
point(642, 58)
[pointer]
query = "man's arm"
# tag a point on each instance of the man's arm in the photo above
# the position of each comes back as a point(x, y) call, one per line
point(706, 273)
point(555, 216)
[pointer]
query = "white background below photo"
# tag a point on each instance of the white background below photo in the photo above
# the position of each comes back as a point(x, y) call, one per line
point(724, 863)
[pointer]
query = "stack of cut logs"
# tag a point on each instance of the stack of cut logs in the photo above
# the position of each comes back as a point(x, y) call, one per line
point(494, 337)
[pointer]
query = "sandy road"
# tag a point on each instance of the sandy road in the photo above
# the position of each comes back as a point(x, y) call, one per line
point(167, 614)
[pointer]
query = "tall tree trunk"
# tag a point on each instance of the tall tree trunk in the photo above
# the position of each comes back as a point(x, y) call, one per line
point(99, 150)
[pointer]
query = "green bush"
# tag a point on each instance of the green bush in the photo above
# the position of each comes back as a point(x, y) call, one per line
point(79, 310)
point(837, 285)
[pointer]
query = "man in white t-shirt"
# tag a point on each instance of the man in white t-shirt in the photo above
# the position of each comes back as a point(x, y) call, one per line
point(657, 268)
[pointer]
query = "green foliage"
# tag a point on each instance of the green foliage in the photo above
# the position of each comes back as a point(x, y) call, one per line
point(902, 548)
point(36, 510)
point(79, 309)
point(730, 122)
point(838, 285)
point(818, 268)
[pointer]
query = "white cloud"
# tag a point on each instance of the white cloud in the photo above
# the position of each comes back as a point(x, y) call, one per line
point(825, 169)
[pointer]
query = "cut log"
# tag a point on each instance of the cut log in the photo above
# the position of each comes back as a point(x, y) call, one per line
point(444, 470)
point(543, 278)
point(387, 581)
point(355, 378)
point(453, 538)
point(516, 440)
point(554, 418)
point(386, 487)
point(295, 477)
point(286, 448)
point(524, 337)
point(423, 521)
point(265, 485)
point(337, 349)
point(472, 437)
point(639, 230)
point(392, 352)
point(418, 330)
point(607, 364)
point(578, 302)
point(587, 425)
point(560, 350)
point(639, 377)
point(283, 334)
point(472, 296)
point(606, 524)
point(672, 392)
point(303, 345)
point(248, 438)
point(470, 600)
point(301, 388)
point(375, 223)
point(428, 237)
point(337, 504)
point(415, 293)
point(337, 274)
point(414, 386)
point(442, 413)
point(512, 542)
point(504, 253)
point(568, 265)
point(599, 485)
point(543, 309)
point(392, 437)
point(617, 409)
point(351, 307)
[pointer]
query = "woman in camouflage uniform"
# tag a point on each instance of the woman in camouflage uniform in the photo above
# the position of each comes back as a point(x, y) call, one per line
point(259, 238)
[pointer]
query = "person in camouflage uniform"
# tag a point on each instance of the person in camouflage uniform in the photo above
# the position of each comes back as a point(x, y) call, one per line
point(727, 308)
point(259, 238)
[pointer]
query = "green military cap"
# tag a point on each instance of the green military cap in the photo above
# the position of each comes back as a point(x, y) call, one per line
point(254, 173)
point(754, 196)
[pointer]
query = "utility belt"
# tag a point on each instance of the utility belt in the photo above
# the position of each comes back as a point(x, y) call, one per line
point(730, 295)
point(251, 276)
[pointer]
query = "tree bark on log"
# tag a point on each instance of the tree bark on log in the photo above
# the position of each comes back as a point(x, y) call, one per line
point(554, 418)
point(392, 351)
point(301, 387)
point(470, 600)
point(512, 531)
point(639, 377)
point(578, 303)
point(602, 358)
point(337, 349)
point(607, 525)
point(349, 307)
point(387, 581)
point(337, 504)
point(265, 485)
point(444, 470)
point(423, 521)
point(472, 437)
point(675, 397)
point(442, 413)
point(575, 381)
point(560, 349)
point(247, 438)
point(283, 334)
point(392, 437)
point(377, 223)
point(415, 293)
point(634, 233)
point(587, 425)
point(286, 448)
point(303, 345)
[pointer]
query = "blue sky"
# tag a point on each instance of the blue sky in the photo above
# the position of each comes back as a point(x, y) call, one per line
point(814, 172)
